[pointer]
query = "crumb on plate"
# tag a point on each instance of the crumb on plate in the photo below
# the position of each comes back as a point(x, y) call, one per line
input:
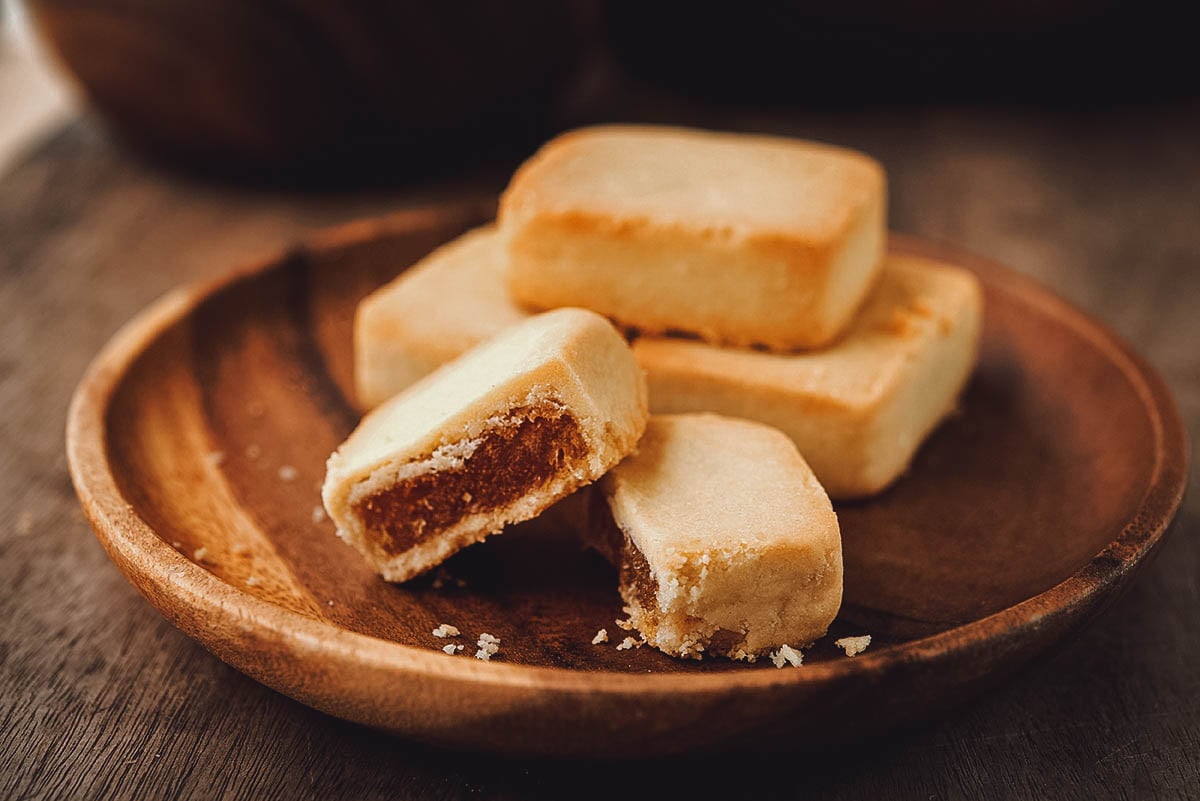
point(488, 646)
point(787, 655)
point(853, 646)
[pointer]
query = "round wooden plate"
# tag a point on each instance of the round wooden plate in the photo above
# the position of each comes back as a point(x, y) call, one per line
point(198, 439)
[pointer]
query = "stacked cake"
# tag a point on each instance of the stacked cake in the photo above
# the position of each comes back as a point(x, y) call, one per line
point(785, 355)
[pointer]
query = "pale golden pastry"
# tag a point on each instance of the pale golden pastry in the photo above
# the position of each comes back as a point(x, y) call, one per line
point(859, 409)
point(444, 305)
point(491, 438)
point(726, 542)
point(738, 239)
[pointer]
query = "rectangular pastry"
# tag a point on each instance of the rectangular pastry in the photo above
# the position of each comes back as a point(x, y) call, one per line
point(725, 541)
point(738, 239)
point(491, 438)
point(859, 409)
point(442, 306)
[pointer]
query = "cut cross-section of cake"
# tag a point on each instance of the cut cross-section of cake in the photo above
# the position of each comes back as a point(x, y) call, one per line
point(725, 542)
point(492, 438)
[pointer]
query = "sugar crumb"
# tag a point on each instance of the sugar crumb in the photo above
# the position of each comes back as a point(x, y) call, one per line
point(787, 655)
point(329, 602)
point(489, 646)
point(200, 554)
point(601, 636)
point(446, 630)
point(318, 514)
point(176, 544)
point(288, 473)
point(853, 646)
point(453, 649)
point(253, 581)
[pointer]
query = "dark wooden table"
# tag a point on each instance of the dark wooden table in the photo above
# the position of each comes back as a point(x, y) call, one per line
point(101, 698)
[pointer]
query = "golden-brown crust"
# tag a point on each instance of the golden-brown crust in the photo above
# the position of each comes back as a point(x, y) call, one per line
point(654, 257)
point(725, 542)
point(858, 410)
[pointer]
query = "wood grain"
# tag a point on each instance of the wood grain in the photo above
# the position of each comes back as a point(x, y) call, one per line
point(202, 429)
point(101, 698)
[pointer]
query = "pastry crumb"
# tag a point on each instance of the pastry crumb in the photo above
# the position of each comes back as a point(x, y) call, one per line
point(787, 655)
point(200, 554)
point(214, 458)
point(489, 646)
point(601, 636)
point(446, 630)
point(453, 649)
point(318, 514)
point(624, 625)
point(853, 646)
point(628, 643)
point(288, 473)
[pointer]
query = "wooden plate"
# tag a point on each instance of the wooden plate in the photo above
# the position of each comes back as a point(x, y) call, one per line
point(198, 438)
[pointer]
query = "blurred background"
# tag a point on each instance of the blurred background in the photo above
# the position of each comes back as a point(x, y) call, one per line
point(312, 92)
point(148, 143)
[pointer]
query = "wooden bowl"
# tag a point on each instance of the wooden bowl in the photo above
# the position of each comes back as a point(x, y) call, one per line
point(197, 443)
point(306, 87)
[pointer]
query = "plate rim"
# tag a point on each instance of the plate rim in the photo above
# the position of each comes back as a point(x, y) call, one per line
point(140, 553)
